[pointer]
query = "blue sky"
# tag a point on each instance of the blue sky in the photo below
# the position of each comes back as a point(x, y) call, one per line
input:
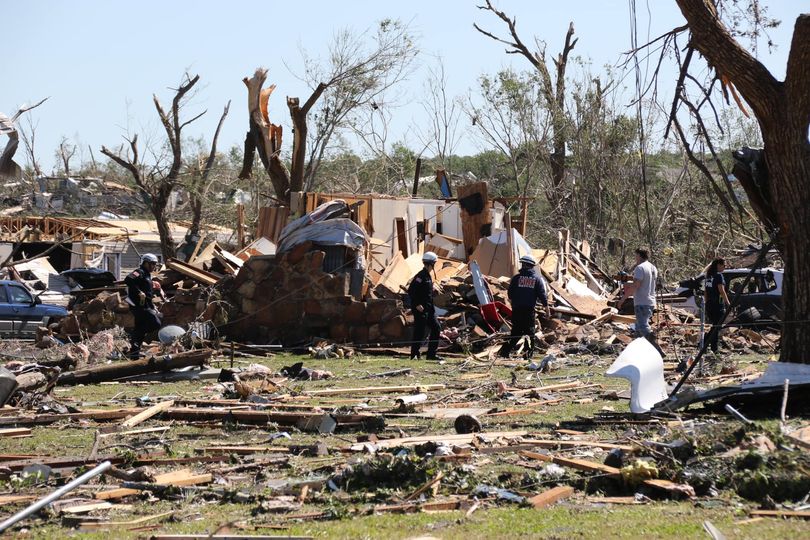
point(100, 61)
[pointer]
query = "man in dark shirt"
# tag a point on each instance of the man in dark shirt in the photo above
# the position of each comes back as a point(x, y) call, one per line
point(420, 292)
point(139, 298)
point(525, 290)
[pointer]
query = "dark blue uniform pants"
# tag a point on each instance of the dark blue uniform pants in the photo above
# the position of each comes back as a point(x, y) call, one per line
point(523, 324)
point(715, 313)
point(146, 321)
point(422, 321)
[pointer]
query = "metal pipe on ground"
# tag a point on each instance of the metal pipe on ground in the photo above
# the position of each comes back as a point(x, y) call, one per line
point(83, 479)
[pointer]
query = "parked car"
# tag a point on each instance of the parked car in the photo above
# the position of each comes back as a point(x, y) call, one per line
point(21, 312)
point(763, 292)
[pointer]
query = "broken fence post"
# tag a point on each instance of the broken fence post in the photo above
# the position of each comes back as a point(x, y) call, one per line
point(83, 479)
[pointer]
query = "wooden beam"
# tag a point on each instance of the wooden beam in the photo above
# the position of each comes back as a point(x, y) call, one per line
point(157, 408)
point(375, 389)
point(551, 496)
point(579, 464)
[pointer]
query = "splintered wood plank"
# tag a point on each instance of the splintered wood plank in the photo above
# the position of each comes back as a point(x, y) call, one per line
point(142, 416)
point(805, 514)
point(551, 496)
point(449, 438)
point(10, 499)
point(106, 524)
point(615, 500)
point(375, 389)
point(85, 508)
point(431, 484)
point(579, 464)
point(551, 443)
point(179, 478)
point(15, 432)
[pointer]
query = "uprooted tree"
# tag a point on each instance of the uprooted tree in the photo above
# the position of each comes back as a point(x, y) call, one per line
point(356, 77)
point(159, 179)
point(781, 197)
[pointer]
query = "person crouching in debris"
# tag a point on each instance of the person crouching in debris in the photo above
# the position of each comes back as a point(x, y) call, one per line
point(420, 292)
point(525, 290)
point(139, 297)
point(716, 299)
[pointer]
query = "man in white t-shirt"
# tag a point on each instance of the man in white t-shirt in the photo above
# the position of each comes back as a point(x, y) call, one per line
point(645, 276)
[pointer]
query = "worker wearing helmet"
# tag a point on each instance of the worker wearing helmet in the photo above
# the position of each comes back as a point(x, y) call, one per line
point(525, 290)
point(420, 292)
point(140, 292)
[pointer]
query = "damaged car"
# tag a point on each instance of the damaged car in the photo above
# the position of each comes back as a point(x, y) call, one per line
point(760, 298)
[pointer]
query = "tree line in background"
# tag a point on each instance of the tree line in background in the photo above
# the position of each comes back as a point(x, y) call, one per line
point(555, 131)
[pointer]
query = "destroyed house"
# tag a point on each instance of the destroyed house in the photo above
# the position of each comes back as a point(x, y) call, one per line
point(112, 245)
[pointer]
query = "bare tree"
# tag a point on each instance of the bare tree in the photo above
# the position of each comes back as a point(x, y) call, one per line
point(779, 197)
point(553, 90)
point(509, 116)
point(443, 114)
point(354, 77)
point(158, 180)
point(201, 179)
point(65, 153)
point(7, 126)
point(28, 133)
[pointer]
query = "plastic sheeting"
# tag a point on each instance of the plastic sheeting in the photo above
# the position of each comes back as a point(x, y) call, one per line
point(321, 228)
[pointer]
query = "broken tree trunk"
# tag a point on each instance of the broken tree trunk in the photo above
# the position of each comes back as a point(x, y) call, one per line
point(120, 370)
point(263, 136)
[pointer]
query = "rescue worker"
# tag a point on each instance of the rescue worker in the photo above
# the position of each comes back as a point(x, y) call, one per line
point(525, 290)
point(139, 297)
point(420, 292)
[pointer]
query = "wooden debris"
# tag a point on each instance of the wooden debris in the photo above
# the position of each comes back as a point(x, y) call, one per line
point(804, 514)
point(15, 432)
point(183, 477)
point(579, 464)
point(157, 408)
point(93, 525)
point(672, 487)
point(375, 390)
point(551, 496)
point(197, 274)
point(85, 508)
point(432, 485)
point(551, 443)
point(120, 370)
point(438, 438)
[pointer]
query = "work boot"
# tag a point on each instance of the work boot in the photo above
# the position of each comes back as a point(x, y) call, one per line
point(415, 357)
point(435, 358)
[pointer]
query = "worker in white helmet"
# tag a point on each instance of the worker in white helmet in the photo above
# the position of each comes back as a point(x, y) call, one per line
point(420, 292)
point(525, 290)
point(140, 293)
